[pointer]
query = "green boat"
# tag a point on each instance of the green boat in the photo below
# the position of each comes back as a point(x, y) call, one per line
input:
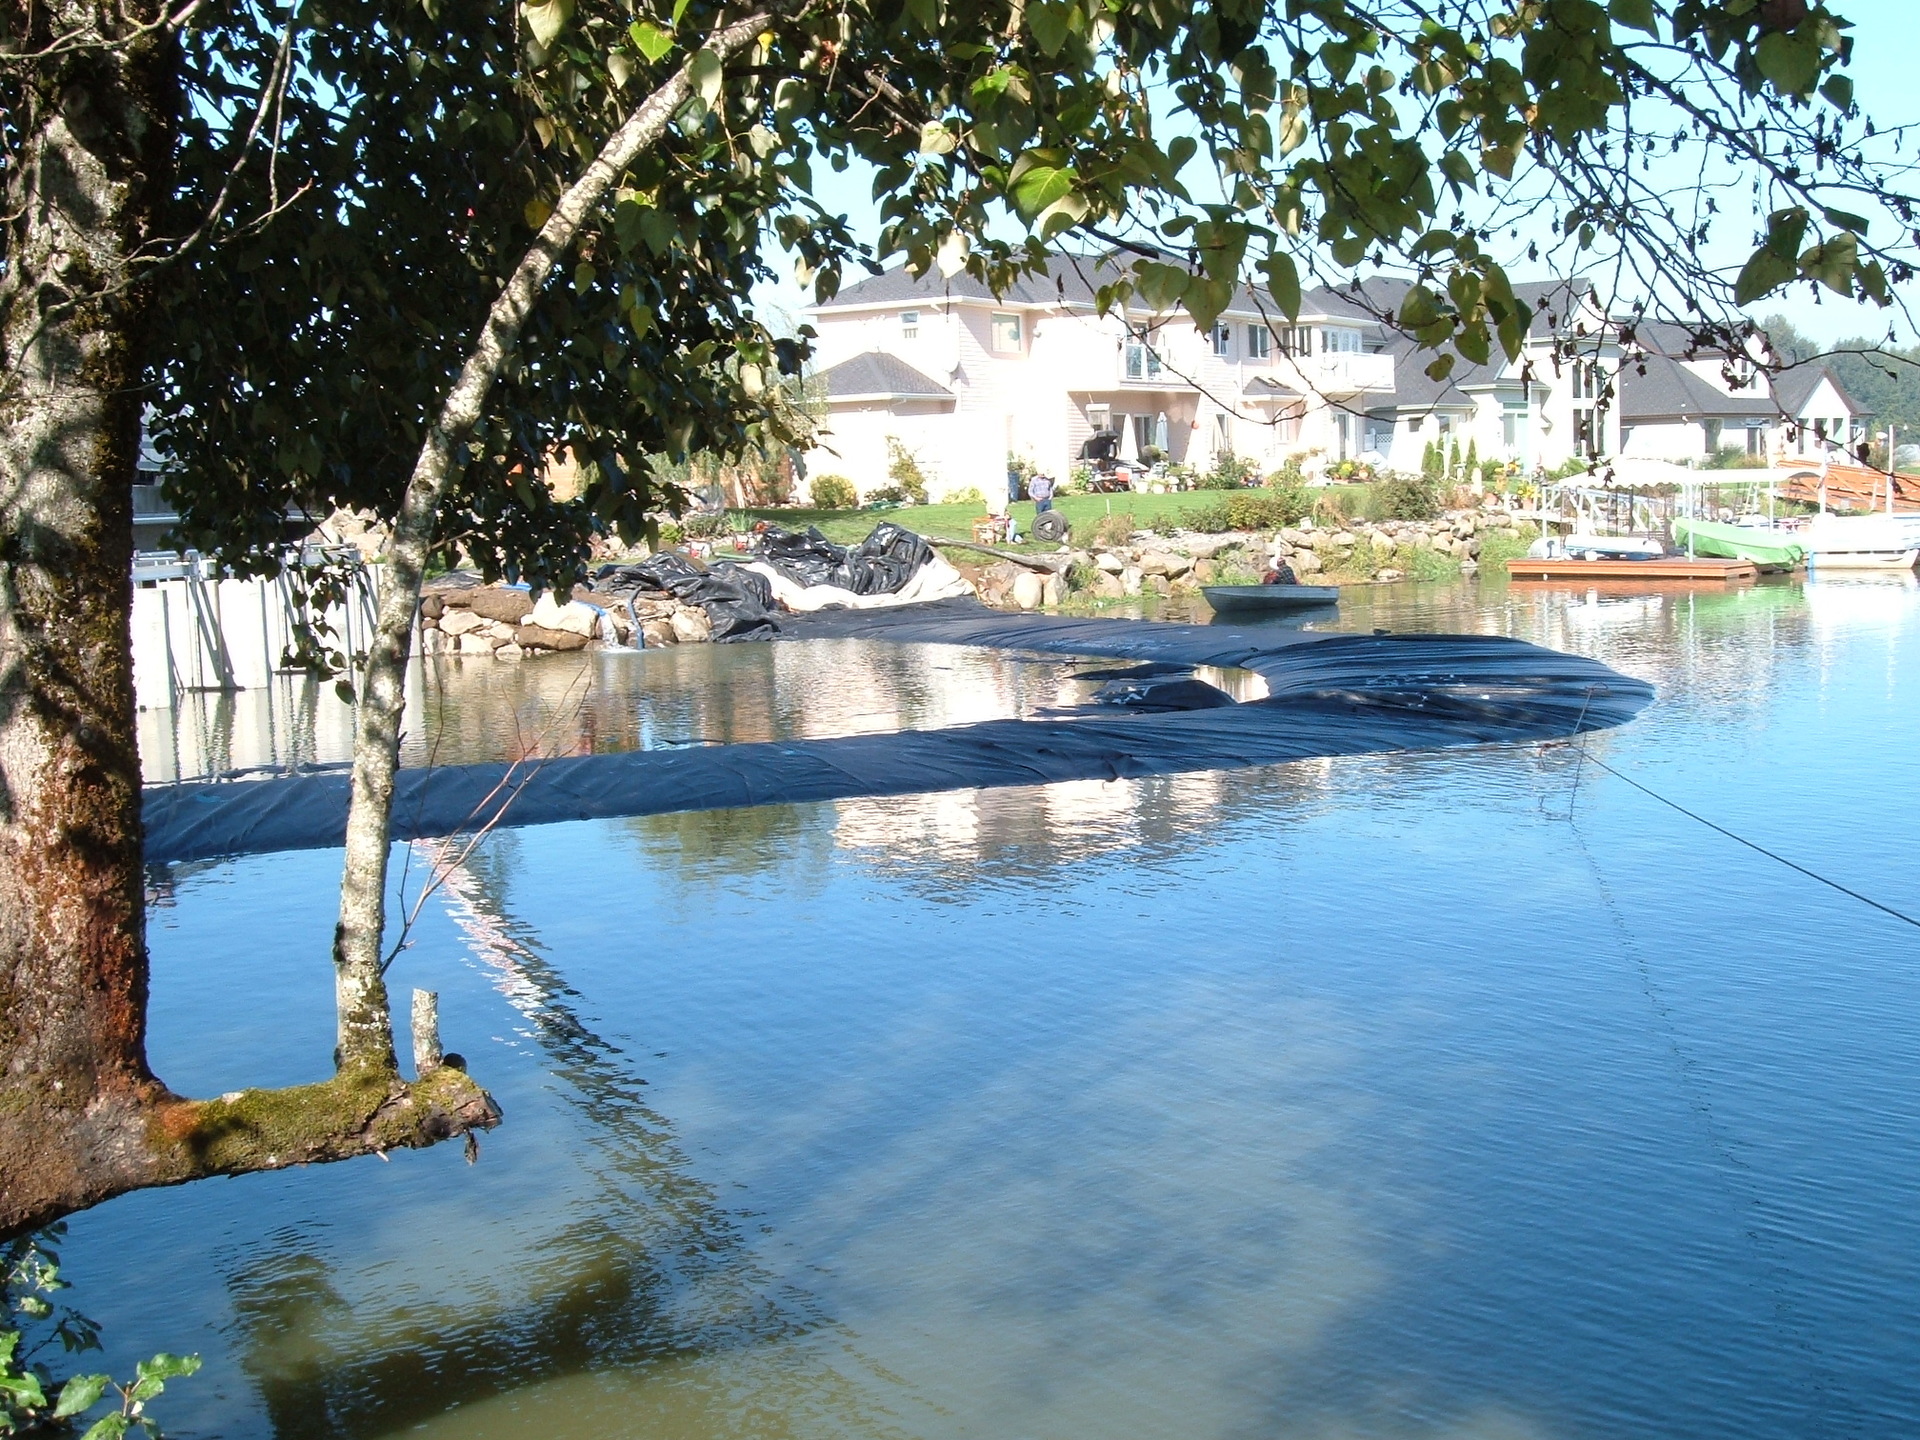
point(1769, 549)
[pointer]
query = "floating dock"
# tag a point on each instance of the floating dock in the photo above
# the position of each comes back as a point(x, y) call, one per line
point(1672, 567)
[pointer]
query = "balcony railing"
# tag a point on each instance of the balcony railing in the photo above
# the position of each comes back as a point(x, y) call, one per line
point(1346, 372)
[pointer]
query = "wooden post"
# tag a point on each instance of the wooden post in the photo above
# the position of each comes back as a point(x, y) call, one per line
point(426, 1031)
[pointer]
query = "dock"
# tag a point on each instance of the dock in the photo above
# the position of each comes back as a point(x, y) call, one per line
point(1673, 567)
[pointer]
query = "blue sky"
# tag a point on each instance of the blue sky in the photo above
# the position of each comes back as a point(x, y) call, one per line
point(1884, 75)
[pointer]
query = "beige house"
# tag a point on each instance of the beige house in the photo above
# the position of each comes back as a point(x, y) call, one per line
point(964, 379)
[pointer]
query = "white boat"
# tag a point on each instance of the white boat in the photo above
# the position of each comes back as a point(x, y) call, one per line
point(1611, 547)
point(1863, 542)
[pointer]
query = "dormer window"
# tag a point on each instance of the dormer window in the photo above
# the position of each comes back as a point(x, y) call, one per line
point(909, 324)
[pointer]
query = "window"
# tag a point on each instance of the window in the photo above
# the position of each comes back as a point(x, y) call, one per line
point(909, 324)
point(1006, 333)
point(1513, 426)
point(1222, 434)
point(1339, 342)
point(1259, 342)
point(1296, 340)
point(1756, 438)
point(1287, 425)
point(1142, 363)
point(1712, 427)
point(1588, 432)
point(1589, 379)
point(1222, 339)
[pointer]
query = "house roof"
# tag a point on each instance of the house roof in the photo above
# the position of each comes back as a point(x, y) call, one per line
point(1794, 388)
point(1069, 279)
point(1263, 387)
point(879, 374)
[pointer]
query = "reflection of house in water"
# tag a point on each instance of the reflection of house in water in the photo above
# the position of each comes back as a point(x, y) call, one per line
point(1037, 829)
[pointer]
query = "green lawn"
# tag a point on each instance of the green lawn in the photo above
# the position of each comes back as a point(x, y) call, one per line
point(955, 522)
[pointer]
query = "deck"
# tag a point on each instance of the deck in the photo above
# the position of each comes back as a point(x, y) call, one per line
point(1673, 567)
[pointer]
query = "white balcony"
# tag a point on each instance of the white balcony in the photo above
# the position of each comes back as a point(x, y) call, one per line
point(1345, 372)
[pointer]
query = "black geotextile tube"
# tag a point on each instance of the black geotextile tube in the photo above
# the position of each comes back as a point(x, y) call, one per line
point(1331, 694)
point(738, 602)
point(881, 564)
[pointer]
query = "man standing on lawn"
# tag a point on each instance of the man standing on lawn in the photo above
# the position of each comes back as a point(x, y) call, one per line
point(1040, 488)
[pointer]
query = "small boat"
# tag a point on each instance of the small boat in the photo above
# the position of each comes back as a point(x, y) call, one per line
point(1264, 599)
point(1612, 547)
point(1769, 549)
point(1863, 542)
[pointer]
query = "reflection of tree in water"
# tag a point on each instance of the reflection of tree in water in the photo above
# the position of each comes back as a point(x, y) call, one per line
point(707, 844)
point(649, 1264)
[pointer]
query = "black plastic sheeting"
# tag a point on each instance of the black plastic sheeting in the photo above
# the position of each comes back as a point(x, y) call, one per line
point(1331, 694)
point(879, 565)
point(738, 602)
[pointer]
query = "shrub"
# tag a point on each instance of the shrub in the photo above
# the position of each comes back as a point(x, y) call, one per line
point(669, 534)
point(1209, 519)
point(903, 469)
point(1407, 497)
point(969, 496)
point(1079, 482)
point(1498, 548)
point(1430, 565)
point(1113, 530)
point(1261, 510)
point(833, 492)
point(706, 524)
point(1229, 472)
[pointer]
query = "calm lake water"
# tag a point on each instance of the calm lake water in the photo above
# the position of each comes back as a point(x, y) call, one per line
point(1464, 1094)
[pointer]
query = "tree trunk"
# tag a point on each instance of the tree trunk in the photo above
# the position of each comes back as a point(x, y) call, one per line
point(95, 148)
point(81, 1116)
point(366, 1029)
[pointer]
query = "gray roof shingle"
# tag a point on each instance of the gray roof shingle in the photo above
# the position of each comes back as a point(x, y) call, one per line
point(877, 373)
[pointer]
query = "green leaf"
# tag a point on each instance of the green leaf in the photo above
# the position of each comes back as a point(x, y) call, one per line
point(167, 1367)
point(1634, 14)
point(704, 75)
point(1785, 230)
point(619, 69)
point(652, 40)
point(1846, 220)
point(1038, 187)
point(1833, 261)
point(936, 139)
point(24, 1389)
point(107, 1427)
point(547, 18)
point(82, 1392)
point(1049, 22)
point(1419, 308)
point(1159, 286)
point(1790, 60)
point(1441, 368)
point(1838, 92)
point(1763, 273)
point(1283, 283)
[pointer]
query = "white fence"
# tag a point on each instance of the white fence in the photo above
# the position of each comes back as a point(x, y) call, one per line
point(194, 632)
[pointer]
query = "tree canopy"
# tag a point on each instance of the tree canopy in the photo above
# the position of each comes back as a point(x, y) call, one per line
point(411, 151)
